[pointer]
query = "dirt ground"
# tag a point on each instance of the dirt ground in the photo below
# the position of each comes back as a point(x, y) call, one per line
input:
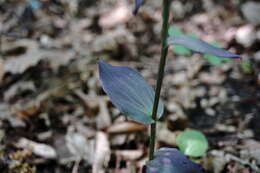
point(55, 117)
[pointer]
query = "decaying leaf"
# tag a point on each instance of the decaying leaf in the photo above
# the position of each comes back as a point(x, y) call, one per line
point(121, 14)
point(33, 54)
point(102, 152)
point(126, 127)
point(77, 145)
point(42, 150)
point(129, 154)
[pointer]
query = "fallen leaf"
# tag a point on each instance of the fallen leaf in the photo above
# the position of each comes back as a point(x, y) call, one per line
point(6, 114)
point(121, 14)
point(33, 54)
point(102, 152)
point(1, 70)
point(126, 127)
point(40, 149)
point(130, 155)
point(79, 147)
point(17, 88)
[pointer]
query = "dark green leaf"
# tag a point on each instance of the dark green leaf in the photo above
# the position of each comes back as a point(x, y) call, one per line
point(171, 160)
point(129, 92)
point(199, 46)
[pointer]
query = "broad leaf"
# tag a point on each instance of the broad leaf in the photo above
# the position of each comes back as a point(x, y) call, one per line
point(192, 143)
point(129, 92)
point(199, 46)
point(171, 160)
point(138, 4)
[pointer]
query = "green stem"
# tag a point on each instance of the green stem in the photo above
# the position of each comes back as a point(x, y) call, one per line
point(164, 51)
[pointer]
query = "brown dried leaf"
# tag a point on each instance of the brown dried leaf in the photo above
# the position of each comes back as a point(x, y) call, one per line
point(33, 54)
point(130, 155)
point(121, 14)
point(126, 127)
point(42, 150)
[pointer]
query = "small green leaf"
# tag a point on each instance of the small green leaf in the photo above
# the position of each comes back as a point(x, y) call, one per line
point(174, 31)
point(215, 60)
point(178, 49)
point(192, 143)
point(192, 35)
point(181, 50)
point(246, 66)
point(199, 46)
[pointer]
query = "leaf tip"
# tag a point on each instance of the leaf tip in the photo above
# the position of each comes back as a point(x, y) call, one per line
point(138, 4)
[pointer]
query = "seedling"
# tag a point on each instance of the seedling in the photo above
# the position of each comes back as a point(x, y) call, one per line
point(192, 143)
point(135, 98)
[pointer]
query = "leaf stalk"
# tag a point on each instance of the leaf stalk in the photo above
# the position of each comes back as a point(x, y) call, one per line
point(164, 52)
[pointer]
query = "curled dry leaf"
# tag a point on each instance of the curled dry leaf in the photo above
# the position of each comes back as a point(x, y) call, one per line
point(103, 118)
point(42, 150)
point(79, 146)
point(25, 108)
point(126, 127)
point(32, 55)
point(6, 114)
point(102, 152)
point(17, 88)
point(130, 155)
point(121, 14)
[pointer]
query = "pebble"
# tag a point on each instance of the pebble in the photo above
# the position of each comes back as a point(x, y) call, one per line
point(246, 35)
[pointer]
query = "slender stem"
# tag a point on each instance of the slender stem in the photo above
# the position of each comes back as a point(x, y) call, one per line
point(164, 50)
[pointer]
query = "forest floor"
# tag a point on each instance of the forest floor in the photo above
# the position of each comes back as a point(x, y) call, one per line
point(55, 117)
